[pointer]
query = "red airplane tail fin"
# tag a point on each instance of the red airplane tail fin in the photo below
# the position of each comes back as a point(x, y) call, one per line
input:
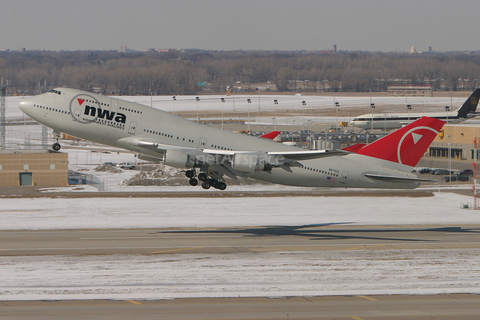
point(406, 145)
point(271, 135)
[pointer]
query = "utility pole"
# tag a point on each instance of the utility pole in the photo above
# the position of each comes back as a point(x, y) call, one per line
point(3, 90)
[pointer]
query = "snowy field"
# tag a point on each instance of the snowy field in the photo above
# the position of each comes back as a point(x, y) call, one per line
point(113, 213)
point(350, 272)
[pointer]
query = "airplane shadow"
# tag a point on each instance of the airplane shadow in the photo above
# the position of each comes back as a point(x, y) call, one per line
point(318, 232)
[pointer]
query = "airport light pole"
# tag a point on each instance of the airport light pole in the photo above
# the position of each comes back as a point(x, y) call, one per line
point(223, 100)
point(372, 106)
point(304, 103)
point(248, 114)
point(449, 159)
point(409, 108)
point(293, 123)
point(198, 118)
point(275, 102)
point(174, 99)
point(337, 105)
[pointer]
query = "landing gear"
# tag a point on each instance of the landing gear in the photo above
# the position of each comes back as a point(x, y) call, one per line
point(56, 146)
point(216, 181)
point(190, 173)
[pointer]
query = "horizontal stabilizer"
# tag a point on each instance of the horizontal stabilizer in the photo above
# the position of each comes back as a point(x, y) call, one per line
point(395, 179)
point(354, 148)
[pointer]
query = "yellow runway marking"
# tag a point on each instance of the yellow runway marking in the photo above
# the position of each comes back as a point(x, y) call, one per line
point(134, 302)
point(173, 250)
point(368, 298)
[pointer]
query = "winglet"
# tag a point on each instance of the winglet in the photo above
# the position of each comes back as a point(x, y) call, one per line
point(271, 135)
point(406, 145)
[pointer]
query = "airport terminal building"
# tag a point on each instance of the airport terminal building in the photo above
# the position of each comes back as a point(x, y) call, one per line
point(460, 139)
point(43, 168)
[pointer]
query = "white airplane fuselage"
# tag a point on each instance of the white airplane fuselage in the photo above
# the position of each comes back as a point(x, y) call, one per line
point(389, 121)
point(142, 129)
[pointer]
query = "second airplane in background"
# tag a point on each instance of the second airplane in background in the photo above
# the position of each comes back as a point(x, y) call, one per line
point(390, 121)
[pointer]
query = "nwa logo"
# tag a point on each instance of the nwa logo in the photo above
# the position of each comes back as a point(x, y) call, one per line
point(86, 109)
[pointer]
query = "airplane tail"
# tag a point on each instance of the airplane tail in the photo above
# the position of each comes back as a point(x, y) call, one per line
point(406, 145)
point(470, 105)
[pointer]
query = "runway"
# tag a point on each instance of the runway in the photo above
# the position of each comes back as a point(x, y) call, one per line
point(443, 307)
point(234, 240)
point(226, 243)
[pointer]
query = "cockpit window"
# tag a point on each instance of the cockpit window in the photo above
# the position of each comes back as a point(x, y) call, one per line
point(55, 91)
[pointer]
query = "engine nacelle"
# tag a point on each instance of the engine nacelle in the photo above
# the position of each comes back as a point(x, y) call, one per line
point(148, 158)
point(178, 159)
point(247, 162)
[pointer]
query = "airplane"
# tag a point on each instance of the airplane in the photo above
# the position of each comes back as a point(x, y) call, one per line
point(390, 121)
point(209, 154)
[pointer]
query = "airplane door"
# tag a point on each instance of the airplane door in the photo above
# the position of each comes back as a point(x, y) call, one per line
point(114, 105)
point(133, 127)
point(343, 178)
point(202, 143)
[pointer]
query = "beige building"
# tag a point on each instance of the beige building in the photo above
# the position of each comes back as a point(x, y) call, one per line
point(461, 138)
point(33, 168)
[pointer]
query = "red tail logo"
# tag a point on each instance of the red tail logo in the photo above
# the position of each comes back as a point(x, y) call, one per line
point(80, 101)
point(406, 145)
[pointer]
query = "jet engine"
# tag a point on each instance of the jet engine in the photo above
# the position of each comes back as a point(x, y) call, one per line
point(178, 159)
point(247, 162)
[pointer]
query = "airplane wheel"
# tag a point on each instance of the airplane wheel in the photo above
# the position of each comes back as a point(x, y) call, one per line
point(190, 173)
point(202, 176)
point(222, 185)
point(205, 185)
point(56, 146)
point(193, 182)
point(213, 183)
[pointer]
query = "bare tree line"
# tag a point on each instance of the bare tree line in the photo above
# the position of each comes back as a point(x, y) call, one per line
point(193, 72)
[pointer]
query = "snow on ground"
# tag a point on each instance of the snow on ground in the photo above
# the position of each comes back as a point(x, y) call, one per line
point(349, 272)
point(108, 213)
point(359, 272)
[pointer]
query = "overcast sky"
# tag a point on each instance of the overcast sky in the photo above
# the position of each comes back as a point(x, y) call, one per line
point(372, 25)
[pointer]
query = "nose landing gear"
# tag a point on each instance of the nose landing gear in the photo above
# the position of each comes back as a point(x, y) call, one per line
point(56, 146)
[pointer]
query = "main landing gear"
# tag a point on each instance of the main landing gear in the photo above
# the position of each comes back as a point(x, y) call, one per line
point(56, 146)
point(206, 181)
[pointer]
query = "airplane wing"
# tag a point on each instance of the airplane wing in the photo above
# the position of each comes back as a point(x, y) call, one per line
point(236, 163)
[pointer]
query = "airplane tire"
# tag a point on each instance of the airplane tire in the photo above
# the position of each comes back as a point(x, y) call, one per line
point(202, 176)
point(56, 146)
point(205, 185)
point(222, 185)
point(193, 182)
point(213, 183)
point(190, 173)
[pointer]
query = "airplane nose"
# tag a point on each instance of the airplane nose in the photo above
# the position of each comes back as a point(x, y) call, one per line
point(23, 105)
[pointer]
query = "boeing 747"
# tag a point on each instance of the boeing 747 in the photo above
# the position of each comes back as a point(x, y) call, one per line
point(209, 154)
